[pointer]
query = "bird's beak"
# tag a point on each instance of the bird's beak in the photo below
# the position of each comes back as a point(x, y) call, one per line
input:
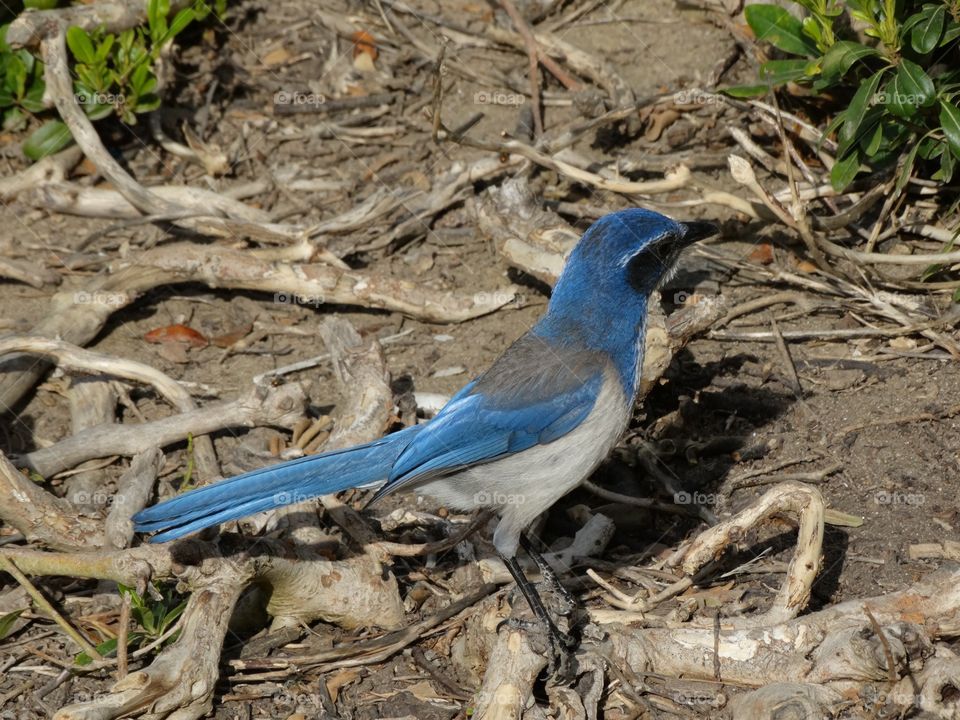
point(696, 230)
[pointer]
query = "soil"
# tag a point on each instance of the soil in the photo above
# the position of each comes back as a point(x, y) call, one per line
point(722, 399)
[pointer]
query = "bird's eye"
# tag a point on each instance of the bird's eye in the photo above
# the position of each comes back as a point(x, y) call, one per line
point(647, 266)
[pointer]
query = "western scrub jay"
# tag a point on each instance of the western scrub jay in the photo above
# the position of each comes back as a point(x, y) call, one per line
point(520, 436)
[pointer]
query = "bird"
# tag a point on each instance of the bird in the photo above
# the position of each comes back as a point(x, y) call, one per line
point(524, 433)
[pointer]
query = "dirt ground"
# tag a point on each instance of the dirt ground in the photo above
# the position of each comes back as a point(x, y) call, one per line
point(726, 407)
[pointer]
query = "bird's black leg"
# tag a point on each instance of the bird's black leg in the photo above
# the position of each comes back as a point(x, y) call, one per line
point(547, 572)
point(561, 642)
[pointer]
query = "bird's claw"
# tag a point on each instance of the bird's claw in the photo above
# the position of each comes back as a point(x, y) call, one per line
point(561, 661)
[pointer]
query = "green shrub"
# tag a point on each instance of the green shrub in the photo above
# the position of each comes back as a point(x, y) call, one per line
point(901, 72)
point(113, 73)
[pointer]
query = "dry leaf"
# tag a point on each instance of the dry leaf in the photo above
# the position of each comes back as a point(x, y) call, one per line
point(660, 122)
point(903, 343)
point(805, 266)
point(363, 43)
point(762, 253)
point(177, 334)
point(229, 339)
point(423, 690)
point(276, 57)
point(363, 63)
point(341, 679)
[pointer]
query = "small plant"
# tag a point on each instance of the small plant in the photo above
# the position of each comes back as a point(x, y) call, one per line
point(114, 74)
point(153, 617)
point(21, 82)
point(902, 71)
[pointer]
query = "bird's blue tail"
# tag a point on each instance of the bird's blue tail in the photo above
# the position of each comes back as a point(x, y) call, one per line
point(274, 486)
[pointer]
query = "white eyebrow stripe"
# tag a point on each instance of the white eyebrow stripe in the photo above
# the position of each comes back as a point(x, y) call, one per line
point(624, 261)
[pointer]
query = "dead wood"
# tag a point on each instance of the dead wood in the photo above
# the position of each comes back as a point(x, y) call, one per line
point(78, 316)
point(279, 406)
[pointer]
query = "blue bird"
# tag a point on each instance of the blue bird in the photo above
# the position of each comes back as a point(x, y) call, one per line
point(524, 433)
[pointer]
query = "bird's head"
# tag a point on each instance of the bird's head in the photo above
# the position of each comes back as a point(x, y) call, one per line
point(624, 257)
point(600, 299)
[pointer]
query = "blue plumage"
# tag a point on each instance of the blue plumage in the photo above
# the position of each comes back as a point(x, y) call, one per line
point(274, 486)
point(526, 431)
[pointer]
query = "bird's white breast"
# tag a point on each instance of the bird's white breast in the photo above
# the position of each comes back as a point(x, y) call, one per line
point(521, 486)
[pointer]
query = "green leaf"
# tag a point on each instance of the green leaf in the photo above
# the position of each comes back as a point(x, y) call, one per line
point(89, 79)
point(811, 28)
point(844, 171)
point(15, 119)
point(857, 110)
point(106, 649)
point(745, 91)
point(778, 72)
point(7, 622)
point(947, 165)
point(28, 60)
point(80, 45)
point(16, 76)
point(925, 34)
point(171, 616)
point(896, 98)
point(831, 128)
point(872, 145)
point(907, 167)
point(139, 76)
point(98, 111)
point(779, 28)
point(930, 148)
point(157, 11)
point(915, 82)
point(49, 138)
point(842, 56)
point(950, 122)
point(148, 620)
point(180, 21)
point(104, 48)
point(952, 33)
point(145, 103)
point(40, 4)
point(32, 101)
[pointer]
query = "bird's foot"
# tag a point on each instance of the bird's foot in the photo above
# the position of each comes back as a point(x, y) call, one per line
point(564, 605)
point(562, 660)
point(562, 663)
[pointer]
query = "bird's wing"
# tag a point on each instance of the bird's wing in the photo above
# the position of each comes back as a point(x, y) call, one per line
point(532, 395)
